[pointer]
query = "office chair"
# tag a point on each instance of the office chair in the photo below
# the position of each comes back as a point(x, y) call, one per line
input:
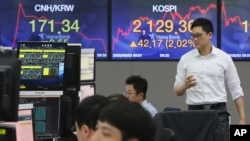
point(167, 134)
point(197, 125)
point(171, 109)
point(162, 133)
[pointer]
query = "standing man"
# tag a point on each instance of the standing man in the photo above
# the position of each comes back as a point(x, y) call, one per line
point(136, 89)
point(204, 74)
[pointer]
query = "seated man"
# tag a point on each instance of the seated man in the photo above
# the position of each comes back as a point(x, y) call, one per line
point(124, 121)
point(117, 97)
point(136, 89)
point(87, 114)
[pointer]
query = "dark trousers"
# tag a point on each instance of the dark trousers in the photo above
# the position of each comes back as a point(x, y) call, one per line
point(223, 130)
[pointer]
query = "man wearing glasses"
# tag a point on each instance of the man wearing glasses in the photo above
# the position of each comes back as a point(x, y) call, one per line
point(204, 73)
point(136, 89)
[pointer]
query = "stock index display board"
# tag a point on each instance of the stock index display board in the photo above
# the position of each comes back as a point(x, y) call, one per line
point(235, 29)
point(157, 29)
point(139, 29)
point(73, 21)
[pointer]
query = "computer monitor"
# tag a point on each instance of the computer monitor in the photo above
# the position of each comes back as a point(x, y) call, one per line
point(7, 132)
point(9, 88)
point(6, 52)
point(86, 90)
point(72, 67)
point(87, 65)
point(42, 65)
point(46, 115)
point(25, 125)
point(23, 128)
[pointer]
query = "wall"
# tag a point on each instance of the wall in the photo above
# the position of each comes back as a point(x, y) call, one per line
point(110, 78)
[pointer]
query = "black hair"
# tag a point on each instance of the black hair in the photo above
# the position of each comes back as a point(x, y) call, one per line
point(140, 84)
point(89, 109)
point(205, 23)
point(131, 119)
point(117, 97)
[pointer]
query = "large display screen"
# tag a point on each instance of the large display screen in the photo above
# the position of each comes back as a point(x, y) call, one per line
point(157, 29)
point(235, 38)
point(73, 21)
point(42, 65)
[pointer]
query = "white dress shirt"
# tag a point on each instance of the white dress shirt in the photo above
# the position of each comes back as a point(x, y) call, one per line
point(149, 107)
point(214, 73)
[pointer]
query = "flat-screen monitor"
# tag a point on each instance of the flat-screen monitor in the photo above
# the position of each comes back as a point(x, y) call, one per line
point(6, 52)
point(72, 67)
point(42, 65)
point(87, 89)
point(9, 88)
point(235, 33)
point(71, 21)
point(7, 132)
point(46, 115)
point(87, 65)
point(25, 125)
point(157, 29)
